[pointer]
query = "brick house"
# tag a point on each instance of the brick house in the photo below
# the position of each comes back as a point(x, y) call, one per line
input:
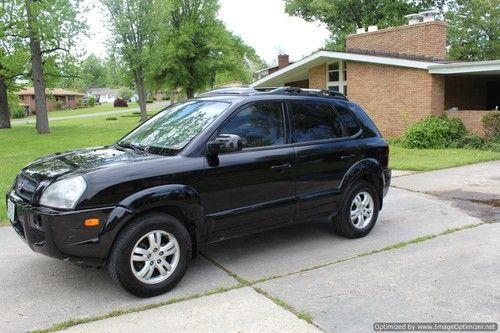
point(399, 75)
point(67, 99)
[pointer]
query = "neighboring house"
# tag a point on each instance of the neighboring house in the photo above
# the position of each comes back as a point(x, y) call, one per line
point(56, 97)
point(104, 95)
point(399, 75)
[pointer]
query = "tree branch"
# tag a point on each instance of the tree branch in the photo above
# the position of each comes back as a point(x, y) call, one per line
point(54, 49)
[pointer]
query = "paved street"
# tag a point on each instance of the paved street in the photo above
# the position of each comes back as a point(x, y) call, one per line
point(313, 272)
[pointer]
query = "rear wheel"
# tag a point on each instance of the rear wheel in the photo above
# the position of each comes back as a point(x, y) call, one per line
point(151, 255)
point(358, 212)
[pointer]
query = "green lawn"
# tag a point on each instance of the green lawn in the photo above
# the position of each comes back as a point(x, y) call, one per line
point(21, 144)
point(96, 109)
point(433, 159)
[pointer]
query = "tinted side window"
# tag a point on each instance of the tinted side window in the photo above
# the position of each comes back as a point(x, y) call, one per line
point(258, 125)
point(350, 123)
point(315, 121)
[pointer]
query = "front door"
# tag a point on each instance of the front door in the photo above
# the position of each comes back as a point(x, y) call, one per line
point(252, 189)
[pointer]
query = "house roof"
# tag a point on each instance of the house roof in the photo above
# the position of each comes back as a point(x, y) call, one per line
point(300, 69)
point(49, 91)
point(102, 91)
point(491, 67)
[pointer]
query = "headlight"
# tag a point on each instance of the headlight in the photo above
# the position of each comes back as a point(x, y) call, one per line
point(64, 193)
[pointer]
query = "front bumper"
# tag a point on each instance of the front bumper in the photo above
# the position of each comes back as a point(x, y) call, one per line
point(62, 234)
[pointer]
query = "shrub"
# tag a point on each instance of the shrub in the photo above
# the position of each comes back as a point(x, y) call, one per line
point(91, 101)
point(18, 113)
point(434, 133)
point(472, 141)
point(126, 93)
point(111, 118)
point(491, 125)
point(59, 105)
point(120, 103)
point(149, 101)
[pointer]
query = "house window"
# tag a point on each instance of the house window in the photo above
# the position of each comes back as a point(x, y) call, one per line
point(33, 97)
point(337, 76)
point(71, 98)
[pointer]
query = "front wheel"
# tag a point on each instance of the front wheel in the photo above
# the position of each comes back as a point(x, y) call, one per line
point(358, 212)
point(151, 255)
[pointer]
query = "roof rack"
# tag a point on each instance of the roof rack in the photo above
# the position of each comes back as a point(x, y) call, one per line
point(275, 91)
point(305, 92)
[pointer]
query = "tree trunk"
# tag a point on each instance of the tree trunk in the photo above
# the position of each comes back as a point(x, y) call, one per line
point(172, 97)
point(42, 118)
point(141, 92)
point(189, 92)
point(4, 105)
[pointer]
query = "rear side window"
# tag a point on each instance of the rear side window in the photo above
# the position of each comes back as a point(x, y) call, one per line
point(350, 123)
point(315, 121)
point(258, 125)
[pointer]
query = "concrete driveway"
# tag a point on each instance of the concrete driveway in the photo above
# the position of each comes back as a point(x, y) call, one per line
point(427, 259)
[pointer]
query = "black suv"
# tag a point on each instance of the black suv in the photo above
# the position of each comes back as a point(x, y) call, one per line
point(228, 163)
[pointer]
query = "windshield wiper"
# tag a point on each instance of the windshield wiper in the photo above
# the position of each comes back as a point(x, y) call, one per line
point(132, 146)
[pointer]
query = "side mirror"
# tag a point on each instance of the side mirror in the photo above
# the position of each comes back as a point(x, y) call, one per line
point(224, 143)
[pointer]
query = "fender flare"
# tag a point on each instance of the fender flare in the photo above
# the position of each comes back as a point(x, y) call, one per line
point(365, 167)
point(180, 196)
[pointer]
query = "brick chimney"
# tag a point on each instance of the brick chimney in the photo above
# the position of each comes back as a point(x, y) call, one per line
point(425, 39)
point(283, 61)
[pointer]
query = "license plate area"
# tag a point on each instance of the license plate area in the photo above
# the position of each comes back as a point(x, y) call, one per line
point(11, 211)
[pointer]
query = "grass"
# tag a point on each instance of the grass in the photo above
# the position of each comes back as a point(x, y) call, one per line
point(20, 144)
point(78, 321)
point(434, 159)
point(106, 107)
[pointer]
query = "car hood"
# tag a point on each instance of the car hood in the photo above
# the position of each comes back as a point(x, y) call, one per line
point(81, 161)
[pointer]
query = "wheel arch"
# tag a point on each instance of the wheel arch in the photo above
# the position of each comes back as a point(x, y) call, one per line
point(179, 201)
point(369, 170)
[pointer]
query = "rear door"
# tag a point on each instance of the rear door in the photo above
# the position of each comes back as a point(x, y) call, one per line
point(325, 149)
point(252, 189)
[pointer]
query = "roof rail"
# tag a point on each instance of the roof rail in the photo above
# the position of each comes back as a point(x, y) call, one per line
point(306, 92)
point(275, 91)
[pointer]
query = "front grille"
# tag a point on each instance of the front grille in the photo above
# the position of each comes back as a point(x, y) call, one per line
point(25, 187)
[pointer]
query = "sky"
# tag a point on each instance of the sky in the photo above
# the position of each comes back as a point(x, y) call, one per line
point(262, 24)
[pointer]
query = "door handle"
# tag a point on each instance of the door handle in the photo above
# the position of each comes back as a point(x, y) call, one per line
point(281, 166)
point(348, 157)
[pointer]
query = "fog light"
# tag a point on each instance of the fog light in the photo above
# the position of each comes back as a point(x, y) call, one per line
point(92, 222)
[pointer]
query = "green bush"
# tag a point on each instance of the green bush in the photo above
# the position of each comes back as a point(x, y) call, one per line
point(17, 113)
point(472, 141)
point(126, 93)
point(491, 125)
point(60, 105)
point(91, 101)
point(149, 101)
point(435, 133)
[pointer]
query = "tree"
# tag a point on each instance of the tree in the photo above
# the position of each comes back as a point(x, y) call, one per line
point(474, 30)
point(52, 27)
point(342, 17)
point(14, 55)
point(194, 49)
point(132, 29)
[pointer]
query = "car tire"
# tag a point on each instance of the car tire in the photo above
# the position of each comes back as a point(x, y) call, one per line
point(145, 250)
point(357, 217)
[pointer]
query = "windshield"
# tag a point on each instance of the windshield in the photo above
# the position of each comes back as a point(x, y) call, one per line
point(174, 127)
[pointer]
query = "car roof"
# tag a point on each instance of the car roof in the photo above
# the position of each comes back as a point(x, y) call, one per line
point(238, 93)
